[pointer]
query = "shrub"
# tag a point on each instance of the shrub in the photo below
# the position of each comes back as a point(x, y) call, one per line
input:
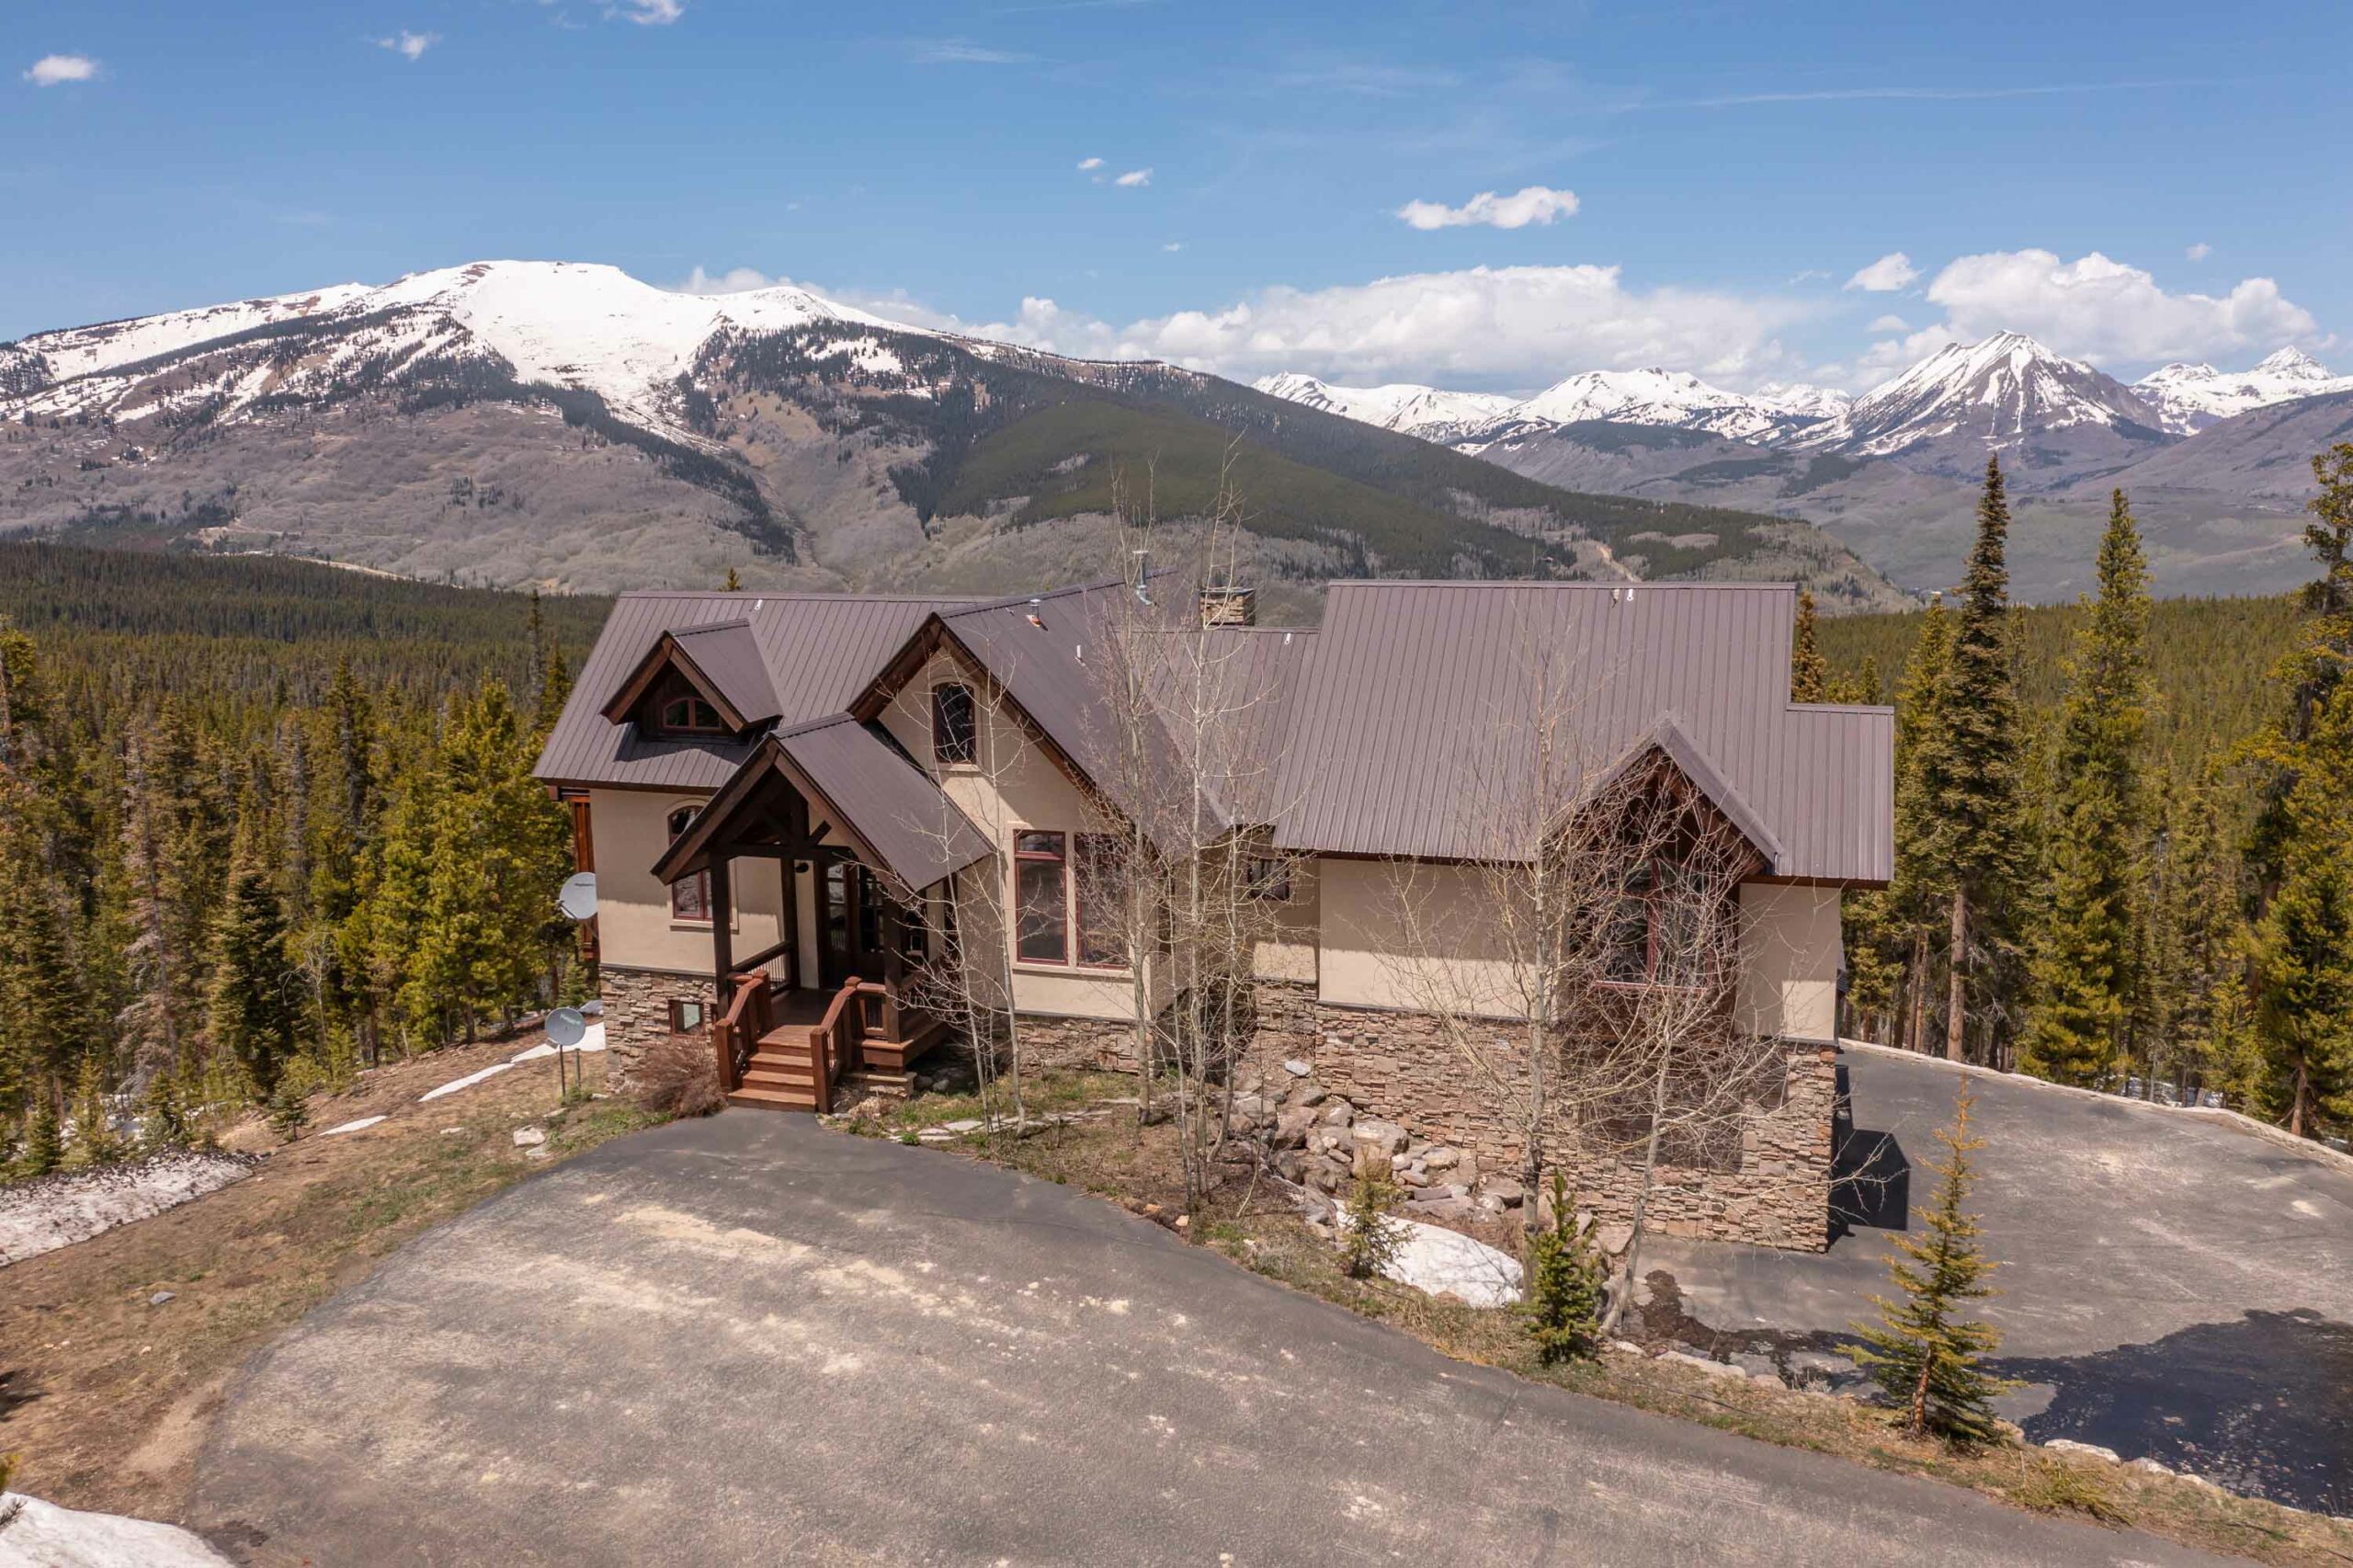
point(678, 1076)
point(1565, 1277)
point(1368, 1239)
point(289, 1101)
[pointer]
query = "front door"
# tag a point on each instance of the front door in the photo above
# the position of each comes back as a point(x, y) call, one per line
point(837, 922)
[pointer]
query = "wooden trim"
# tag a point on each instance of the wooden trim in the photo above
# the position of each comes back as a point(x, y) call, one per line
point(667, 654)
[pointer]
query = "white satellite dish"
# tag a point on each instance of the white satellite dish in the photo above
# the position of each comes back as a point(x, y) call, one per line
point(567, 1027)
point(578, 899)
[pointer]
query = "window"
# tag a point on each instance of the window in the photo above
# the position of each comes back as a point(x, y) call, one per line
point(1041, 898)
point(1657, 930)
point(690, 714)
point(686, 1015)
point(1101, 893)
point(1265, 877)
point(690, 896)
point(954, 736)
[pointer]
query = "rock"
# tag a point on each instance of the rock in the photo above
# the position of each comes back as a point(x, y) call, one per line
point(1338, 1113)
point(1758, 1366)
point(966, 1124)
point(1506, 1191)
point(1438, 1158)
point(1466, 1170)
point(1308, 1092)
point(160, 1297)
point(1491, 1205)
point(1614, 1238)
point(1384, 1138)
point(1292, 1124)
point(527, 1137)
point(1714, 1369)
point(1810, 1368)
point(2152, 1467)
point(1625, 1347)
point(1291, 1164)
point(2089, 1450)
point(1425, 1208)
point(1251, 1109)
point(1297, 1068)
point(1409, 1177)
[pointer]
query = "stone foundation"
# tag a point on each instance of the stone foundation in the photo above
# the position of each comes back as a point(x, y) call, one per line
point(1399, 1067)
point(1105, 1044)
point(637, 1011)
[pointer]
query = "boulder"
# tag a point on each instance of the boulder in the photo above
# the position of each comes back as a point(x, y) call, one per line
point(1252, 1109)
point(1614, 1238)
point(1385, 1138)
point(1438, 1158)
point(2089, 1450)
point(1308, 1092)
point(527, 1137)
point(1338, 1113)
point(1289, 1165)
point(1714, 1369)
point(1466, 1169)
point(1297, 1068)
point(1506, 1191)
point(1292, 1124)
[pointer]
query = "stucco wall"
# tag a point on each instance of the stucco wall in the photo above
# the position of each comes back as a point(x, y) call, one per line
point(635, 924)
point(1420, 937)
point(1790, 944)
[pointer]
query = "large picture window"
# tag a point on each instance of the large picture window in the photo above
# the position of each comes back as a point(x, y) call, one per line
point(1041, 898)
point(690, 896)
point(1101, 893)
point(955, 736)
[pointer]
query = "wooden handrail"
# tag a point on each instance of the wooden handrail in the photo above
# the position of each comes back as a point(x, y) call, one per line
point(740, 1029)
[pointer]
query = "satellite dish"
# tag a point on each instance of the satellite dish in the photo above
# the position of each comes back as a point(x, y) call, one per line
point(578, 899)
point(567, 1027)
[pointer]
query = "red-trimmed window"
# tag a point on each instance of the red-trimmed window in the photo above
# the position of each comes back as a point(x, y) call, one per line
point(688, 715)
point(1653, 936)
point(690, 896)
point(955, 735)
point(1041, 898)
point(1100, 893)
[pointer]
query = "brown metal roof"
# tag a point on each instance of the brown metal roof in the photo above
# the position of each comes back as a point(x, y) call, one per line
point(818, 651)
point(1417, 712)
point(729, 657)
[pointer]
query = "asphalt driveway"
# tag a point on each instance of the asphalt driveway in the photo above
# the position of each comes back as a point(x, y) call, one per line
point(749, 1339)
point(2172, 1288)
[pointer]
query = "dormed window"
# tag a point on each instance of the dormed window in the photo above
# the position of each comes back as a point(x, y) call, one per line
point(955, 735)
point(687, 713)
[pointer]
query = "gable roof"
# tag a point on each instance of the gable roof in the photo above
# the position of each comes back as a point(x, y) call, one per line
point(1416, 715)
point(721, 660)
point(899, 819)
point(816, 650)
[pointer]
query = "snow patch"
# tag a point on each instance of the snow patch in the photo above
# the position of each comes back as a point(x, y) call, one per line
point(42, 1534)
point(1439, 1262)
point(72, 1205)
point(360, 1125)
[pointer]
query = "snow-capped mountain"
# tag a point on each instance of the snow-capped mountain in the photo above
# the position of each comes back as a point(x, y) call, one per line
point(566, 323)
point(1402, 406)
point(2190, 398)
point(2007, 394)
point(1472, 421)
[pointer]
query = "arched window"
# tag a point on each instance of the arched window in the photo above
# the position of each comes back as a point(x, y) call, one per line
point(690, 714)
point(690, 896)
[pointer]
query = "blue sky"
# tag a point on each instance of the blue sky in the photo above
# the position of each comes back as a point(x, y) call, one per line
point(2132, 182)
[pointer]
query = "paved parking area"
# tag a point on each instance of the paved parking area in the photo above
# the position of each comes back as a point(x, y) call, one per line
point(2173, 1286)
point(748, 1339)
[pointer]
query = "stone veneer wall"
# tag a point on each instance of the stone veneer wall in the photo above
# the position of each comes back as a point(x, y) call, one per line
point(1398, 1066)
point(637, 1011)
point(1107, 1044)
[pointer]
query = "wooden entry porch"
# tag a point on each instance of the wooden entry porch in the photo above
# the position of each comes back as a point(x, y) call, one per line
point(781, 1048)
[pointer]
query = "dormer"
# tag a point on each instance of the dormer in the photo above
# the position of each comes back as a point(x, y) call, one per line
point(698, 683)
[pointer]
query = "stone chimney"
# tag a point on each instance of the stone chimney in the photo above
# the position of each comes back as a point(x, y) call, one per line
point(1228, 607)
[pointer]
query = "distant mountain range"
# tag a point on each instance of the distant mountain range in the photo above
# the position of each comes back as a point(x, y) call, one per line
point(2215, 459)
point(566, 425)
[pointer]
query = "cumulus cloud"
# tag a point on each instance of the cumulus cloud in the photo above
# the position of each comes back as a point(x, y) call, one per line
point(735, 280)
point(1134, 177)
point(2103, 310)
point(1530, 204)
point(1507, 326)
point(1889, 273)
point(649, 13)
point(1890, 323)
point(53, 70)
point(1090, 163)
point(409, 45)
point(1174, 245)
point(2199, 251)
point(964, 52)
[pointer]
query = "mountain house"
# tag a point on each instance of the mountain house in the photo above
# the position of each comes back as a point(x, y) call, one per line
point(834, 832)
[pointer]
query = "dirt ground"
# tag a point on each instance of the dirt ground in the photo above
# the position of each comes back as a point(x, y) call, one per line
point(106, 1393)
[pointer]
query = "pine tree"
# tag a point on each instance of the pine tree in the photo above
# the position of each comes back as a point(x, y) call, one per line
point(1809, 671)
point(1565, 1285)
point(1890, 932)
point(1924, 1354)
point(2304, 941)
point(735, 583)
point(1369, 1238)
point(44, 1138)
point(1972, 783)
point(254, 1010)
point(94, 1133)
point(555, 690)
point(2083, 978)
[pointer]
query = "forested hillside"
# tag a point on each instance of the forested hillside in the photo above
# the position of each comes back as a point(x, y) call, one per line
point(259, 820)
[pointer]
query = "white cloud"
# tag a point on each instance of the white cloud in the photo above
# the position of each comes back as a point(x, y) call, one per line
point(1134, 177)
point(964, 52)
point(735, 280)
point(2199, 251)
point(1090, 163)
point(2103, 310)
point(51, 70)
point(1505, 326)
point(1531, 204)
point(1889, 273)
point(409, 45)
point(649, 13)
point(1174, 245)
point(1890, 323)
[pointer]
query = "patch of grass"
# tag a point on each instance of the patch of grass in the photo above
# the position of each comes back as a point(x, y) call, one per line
point(1043, 1094)
point(2056, 1486)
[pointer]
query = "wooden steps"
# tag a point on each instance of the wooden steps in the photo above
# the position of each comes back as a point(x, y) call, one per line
point(782, 1075)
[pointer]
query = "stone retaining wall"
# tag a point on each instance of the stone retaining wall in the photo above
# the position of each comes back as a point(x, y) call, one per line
point(1398, 1066)
point(637, 1011)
